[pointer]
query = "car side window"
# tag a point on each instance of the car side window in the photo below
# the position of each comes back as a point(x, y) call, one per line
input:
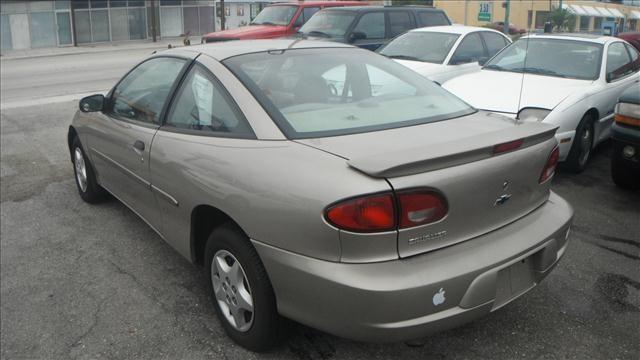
point(432, 18)
point(635, 57)
point(494, 42)
point(308, 12)
point(470, 50)
point(399, 22)
point(371, 25)
point(202, 104)
point(142, 93)
point(618, 61)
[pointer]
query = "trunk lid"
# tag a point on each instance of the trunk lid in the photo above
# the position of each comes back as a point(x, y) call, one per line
point(456, 158)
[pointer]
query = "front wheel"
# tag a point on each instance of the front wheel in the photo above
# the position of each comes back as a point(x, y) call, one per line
point(242, 294)
point(88, 187)
point(622, 174)
point(582, 145)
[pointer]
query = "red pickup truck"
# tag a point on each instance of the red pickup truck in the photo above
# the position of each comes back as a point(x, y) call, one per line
point(277, 20)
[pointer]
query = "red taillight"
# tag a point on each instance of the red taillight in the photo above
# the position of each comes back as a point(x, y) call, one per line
point(376, 213)
point(420, 207)
point(365, 214)
point(508, 146)
point(550, 167)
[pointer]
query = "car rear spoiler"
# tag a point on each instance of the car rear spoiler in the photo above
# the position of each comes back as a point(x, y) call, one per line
point(443, 155)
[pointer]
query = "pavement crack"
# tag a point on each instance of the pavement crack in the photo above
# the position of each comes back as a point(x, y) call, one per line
point(96, 318)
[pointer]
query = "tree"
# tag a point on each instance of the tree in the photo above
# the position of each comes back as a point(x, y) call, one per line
point(562, 19)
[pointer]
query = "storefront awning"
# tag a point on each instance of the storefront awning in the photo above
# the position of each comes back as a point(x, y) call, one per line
point(616, 13)
point(605, 12)
point(576, 9)
point(591, 11)
point(634, 15)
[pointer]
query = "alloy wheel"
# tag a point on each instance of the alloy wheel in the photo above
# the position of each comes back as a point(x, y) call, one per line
point(585, 146)
point(232, 290)
point(81, 169)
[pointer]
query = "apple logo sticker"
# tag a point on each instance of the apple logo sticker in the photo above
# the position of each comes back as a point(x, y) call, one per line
point(438, 298)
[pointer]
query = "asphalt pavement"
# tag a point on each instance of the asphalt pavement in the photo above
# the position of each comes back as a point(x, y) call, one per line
point(80, 281)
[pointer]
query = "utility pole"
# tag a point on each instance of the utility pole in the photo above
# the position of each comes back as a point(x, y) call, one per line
point(73, 25)
point(153, 19)
point(466, 9)
point(505, 28)
point(222, 15)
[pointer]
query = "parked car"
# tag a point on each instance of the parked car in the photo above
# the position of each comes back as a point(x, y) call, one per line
point(625, 132)
point(370, 27)
point(276, 20)
point(570, 80)
point(632, 38)
point(513, 30)
point(325, 204)
point(441, 53)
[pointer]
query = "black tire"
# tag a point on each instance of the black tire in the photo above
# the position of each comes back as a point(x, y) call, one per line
point(622, 174)
point(92, 192)
point(267, 328)
point(577, 161)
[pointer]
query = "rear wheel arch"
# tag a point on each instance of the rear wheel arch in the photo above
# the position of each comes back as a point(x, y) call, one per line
point(204, 219)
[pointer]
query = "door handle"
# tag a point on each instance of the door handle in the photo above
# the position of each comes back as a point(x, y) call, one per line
point(138, 147)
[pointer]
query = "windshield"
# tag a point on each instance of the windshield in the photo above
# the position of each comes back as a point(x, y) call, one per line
point(275, 15)
point(430, 47)
point(571, 58)
point(330, 24)
point(326, 92)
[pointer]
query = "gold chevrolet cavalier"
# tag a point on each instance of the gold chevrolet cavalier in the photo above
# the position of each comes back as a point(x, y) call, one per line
point(326, 184)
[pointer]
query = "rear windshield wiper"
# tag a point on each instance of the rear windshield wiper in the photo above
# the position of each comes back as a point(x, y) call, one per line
point(403, 57)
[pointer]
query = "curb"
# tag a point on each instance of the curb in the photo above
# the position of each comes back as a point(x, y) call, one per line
point(152, 46)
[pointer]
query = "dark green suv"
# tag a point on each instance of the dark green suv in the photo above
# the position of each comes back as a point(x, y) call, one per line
point(625, 131)
point(370, 27)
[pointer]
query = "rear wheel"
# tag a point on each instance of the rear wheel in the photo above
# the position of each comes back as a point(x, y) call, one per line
point(242, 294)
point(88, 187)
point(582, 145)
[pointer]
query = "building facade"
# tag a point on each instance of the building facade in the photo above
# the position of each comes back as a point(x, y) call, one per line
point(36, 24)
point(591, 16)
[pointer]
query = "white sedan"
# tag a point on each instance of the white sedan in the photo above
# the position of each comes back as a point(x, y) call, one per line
point(441, 53)
point(572, 81)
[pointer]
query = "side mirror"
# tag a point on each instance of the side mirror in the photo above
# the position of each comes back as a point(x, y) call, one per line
point(357, 35)
point(92, 103)
point(482, 61)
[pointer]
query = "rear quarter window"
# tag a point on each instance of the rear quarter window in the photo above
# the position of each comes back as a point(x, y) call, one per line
point(433, 18)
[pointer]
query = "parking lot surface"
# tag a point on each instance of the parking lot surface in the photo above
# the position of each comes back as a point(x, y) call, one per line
point(94, 281)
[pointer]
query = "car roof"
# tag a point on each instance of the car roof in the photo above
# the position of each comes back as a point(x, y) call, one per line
point(389, 7)
point(226, 49)
point(598, 39)
point(453, 29)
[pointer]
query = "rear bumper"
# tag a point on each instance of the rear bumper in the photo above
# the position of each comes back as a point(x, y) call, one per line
point(395, 300)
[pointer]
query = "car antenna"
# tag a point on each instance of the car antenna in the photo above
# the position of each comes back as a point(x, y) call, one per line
point(524, 66)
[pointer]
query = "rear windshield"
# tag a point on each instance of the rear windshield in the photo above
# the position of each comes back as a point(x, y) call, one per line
point(425, 46)
point(328, 92)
